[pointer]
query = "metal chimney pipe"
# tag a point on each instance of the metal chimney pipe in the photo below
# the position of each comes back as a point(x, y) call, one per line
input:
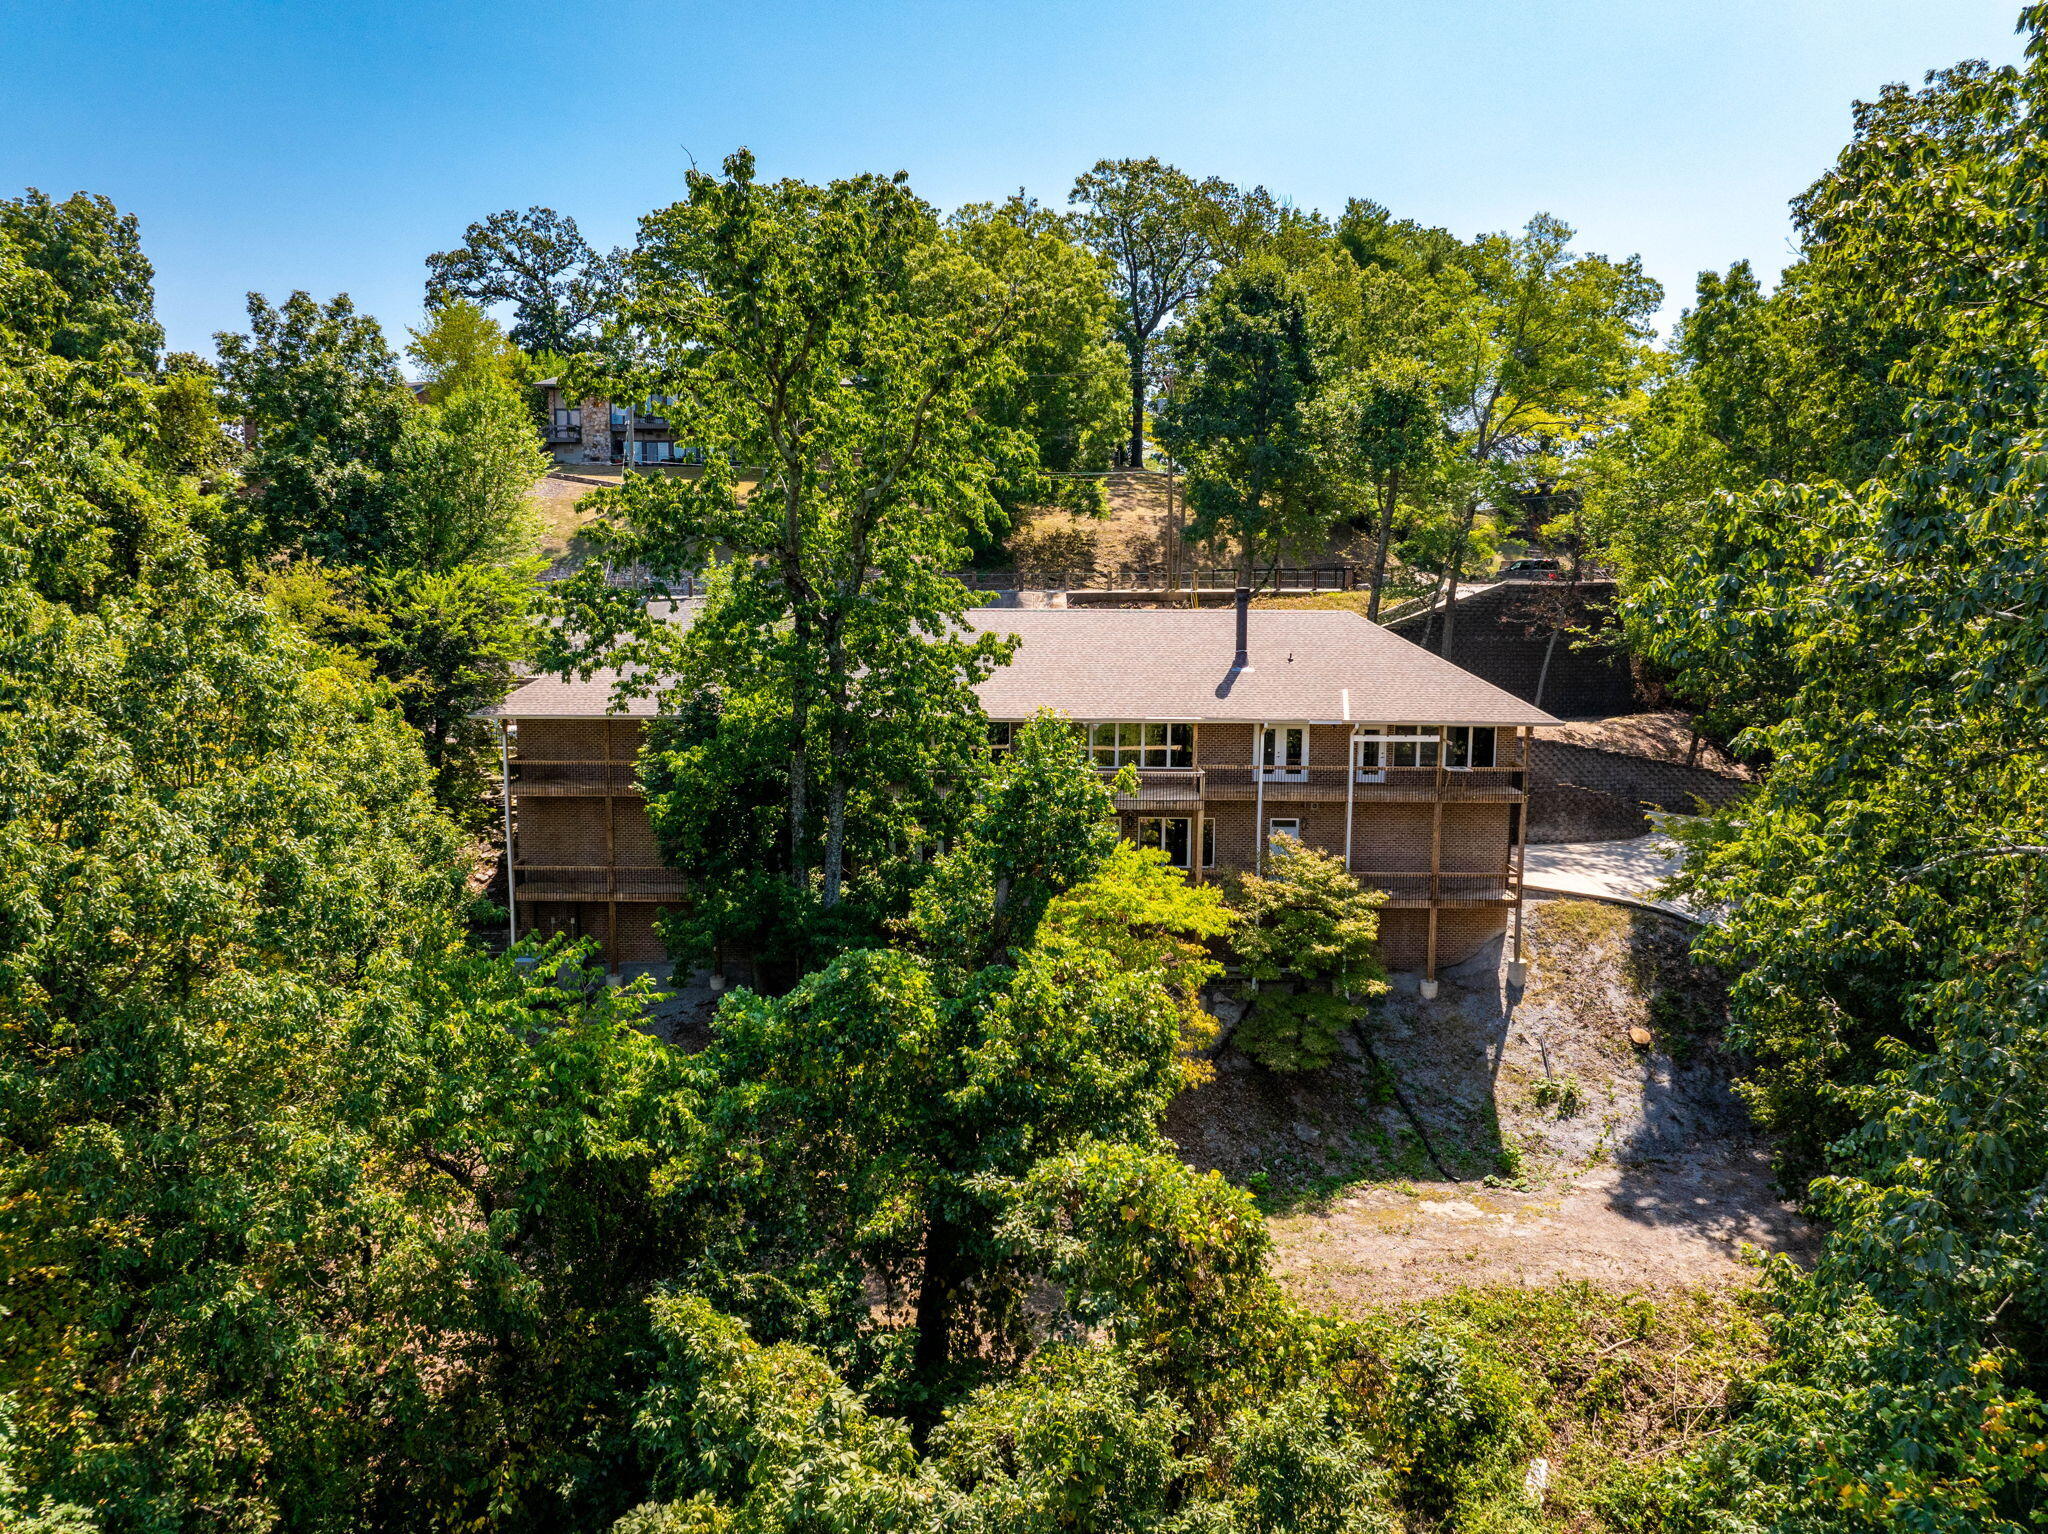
point(1244, 626)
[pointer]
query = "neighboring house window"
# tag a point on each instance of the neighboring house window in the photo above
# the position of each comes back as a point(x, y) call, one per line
point(645, 451)
point(1291, 829)
point(1468, 745)
point(569, 419)
point(1142, 745)
point(1171, 834)
point(1001, 736)
point(618, 415)
point(1283, 753)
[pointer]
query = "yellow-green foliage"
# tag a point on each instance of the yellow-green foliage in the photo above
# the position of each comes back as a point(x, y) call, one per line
point(1308, 932)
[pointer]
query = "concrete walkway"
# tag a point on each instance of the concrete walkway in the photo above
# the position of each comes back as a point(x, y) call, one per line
point(1628, 870)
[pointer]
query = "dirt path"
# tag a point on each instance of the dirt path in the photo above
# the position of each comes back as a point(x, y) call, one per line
point(1581, 1152)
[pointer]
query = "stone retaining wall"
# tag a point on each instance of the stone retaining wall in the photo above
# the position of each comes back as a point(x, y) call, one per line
point(1580, 793)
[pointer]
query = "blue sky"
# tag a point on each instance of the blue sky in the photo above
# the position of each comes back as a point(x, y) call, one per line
point(289, 144)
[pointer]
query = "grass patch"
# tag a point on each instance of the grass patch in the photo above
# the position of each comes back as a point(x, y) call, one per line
point(1623, 1384)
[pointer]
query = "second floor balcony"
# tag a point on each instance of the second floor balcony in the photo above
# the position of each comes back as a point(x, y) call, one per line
point(555, 780)
point(1162, 789)
point(1281, 785)
point(558, 881)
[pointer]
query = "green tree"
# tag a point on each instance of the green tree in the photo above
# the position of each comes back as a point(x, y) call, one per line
point(1145, 220)
point(1050, 996)
point(462, 347)
point(1376, 430)
point(91, 253)
point(320, 387)
point(1884, 890)
point(560, 289)
point(1542, 348)
point(829, 340)
point(1063, 388)
point(461, 474)
point(1250, 362)
point(1308, 935)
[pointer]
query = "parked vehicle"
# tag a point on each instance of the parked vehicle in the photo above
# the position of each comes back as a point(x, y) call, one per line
point(1533, 570)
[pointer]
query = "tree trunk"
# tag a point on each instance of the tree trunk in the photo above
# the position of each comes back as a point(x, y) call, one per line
point(1543, 675)
point(1451, 574)
point(1379, 552)
point(935, 1290)
point(1436, 597)
point(835, 835)
point(1138, 406)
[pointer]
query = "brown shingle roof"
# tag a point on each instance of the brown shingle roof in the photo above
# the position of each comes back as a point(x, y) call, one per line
point(1170, 663)
point(1161, 663)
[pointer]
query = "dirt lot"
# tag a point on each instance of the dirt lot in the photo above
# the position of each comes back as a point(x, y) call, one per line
point(556, 499)
point(1143, 514)
point(1576, 1152)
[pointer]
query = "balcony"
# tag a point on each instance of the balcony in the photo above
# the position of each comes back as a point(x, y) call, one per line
point(1294, 785)
point(554, 881)
point(1415, 890)
point(1162, 791)
point(574, 780)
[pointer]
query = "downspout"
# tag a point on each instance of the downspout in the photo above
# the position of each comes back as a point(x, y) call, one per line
point(505, 798)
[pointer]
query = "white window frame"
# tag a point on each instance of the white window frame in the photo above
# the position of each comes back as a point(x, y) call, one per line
point(1141, 743)
point(1290, 766)
point(1274, 824)
point(1189, 845)
point(1422, 744)
point(1467, 737)
point(1361, 770)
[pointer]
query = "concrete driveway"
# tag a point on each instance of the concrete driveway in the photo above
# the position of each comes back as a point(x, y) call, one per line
point(1628, 870)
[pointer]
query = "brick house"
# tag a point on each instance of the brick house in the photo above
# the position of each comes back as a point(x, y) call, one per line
point(1241, 725)
point(597, 431)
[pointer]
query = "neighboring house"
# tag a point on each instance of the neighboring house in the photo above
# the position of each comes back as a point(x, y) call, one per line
point(597, 431)
point(1242, 726)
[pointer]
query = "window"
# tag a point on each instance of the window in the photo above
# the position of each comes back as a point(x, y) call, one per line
point(569, 419)
point(1142, 745)
point(1399, 745)
point(1467, 746)
point(1208, 842)
point(1171, 834)
point(1001, 736)
point(618, 415)
point(1283, 752)
point(1291, 829)
point(1368, 757)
